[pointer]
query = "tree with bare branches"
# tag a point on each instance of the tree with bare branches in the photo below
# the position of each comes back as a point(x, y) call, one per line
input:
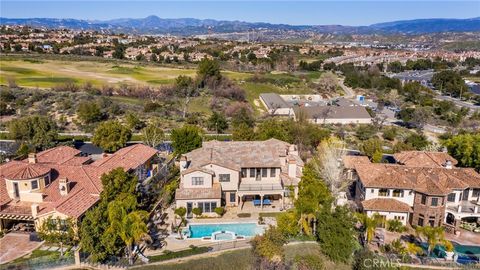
point(329, 165)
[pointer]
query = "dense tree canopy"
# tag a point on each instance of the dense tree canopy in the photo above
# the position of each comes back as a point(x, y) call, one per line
point(186, 139)
point(449, 82)
point(466, 149)
point(119, 186)
point(111, 136)
point(39, 132)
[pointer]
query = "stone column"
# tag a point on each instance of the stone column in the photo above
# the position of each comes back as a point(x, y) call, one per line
point(77, 256)
point(261, 202)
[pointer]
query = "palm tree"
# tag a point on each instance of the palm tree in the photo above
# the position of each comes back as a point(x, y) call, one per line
point(434, 236)
point(413, 249)
point(130, 225)
point(369, 224)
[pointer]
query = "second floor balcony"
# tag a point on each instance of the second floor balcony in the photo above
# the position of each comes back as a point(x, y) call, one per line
point(260, 187)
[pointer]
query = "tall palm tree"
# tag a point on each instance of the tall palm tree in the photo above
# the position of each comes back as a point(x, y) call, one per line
point(433, 235)
point(130, 225)
point(369, 224)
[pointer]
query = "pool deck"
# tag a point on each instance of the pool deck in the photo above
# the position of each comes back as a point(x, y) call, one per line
point(466, 238)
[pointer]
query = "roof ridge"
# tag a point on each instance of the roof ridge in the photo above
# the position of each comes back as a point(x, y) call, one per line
point(89, 178)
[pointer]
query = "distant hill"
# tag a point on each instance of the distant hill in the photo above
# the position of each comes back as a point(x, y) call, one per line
point(190, 26)
point(430, 26)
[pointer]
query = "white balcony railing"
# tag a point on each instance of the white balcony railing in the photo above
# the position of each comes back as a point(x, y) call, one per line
point(260, 187)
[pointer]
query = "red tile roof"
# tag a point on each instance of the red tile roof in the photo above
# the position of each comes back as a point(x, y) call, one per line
point(424, 159)
point(84, 179)
point(22, 170)
point(387, 205)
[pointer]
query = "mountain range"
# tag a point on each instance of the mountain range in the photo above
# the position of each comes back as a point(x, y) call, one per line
point(189, 26)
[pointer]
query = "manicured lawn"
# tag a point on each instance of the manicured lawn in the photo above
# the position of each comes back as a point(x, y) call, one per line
point(243, 259)
point(238, 260)
point(271, 214)
point(37, 253)
point(178, 254)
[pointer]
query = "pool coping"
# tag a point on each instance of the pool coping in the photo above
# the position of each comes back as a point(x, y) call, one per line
point(228, 222)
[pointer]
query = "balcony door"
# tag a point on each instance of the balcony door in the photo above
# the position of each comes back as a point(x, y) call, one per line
point(258, 174)
point(465, 194)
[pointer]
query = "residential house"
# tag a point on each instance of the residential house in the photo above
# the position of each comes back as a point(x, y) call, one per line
point(61, 182)
point(239, 174)
point(421, 188)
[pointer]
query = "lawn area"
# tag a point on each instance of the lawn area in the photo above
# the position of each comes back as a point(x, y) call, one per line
point(243, 259)
point(238, 260)
point(37, 254)
point(46, 73)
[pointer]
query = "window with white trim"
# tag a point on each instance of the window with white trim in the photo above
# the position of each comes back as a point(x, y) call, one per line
point(34, 184)
point(224, 177)
point(197, 181)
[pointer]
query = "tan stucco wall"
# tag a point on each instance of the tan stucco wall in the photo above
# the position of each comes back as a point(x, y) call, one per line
point(187, 179)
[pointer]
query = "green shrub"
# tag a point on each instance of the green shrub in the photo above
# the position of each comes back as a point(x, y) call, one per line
point(244, 215)
point(197, 211)
point(394, 225)
point(181, 211)
point(220, 211)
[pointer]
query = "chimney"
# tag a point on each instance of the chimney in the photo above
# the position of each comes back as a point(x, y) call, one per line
point(32, 158)
point(64, 186)
point(183, 163)
point(448, 164)
point(35, 209)
point(292, 167)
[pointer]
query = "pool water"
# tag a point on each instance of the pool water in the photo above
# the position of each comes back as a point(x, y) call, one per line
point(241, 229)
point(466, 254)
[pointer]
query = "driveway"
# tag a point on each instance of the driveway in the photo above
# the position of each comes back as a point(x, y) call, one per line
point(16, 245)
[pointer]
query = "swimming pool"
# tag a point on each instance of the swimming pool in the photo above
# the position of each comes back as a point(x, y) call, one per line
point(240, 229)
point(466, 254)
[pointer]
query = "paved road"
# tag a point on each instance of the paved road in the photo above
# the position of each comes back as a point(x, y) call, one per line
point(349, 93)
point(458, 102)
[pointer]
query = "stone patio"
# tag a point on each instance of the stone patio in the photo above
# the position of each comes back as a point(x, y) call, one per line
point(16, 245)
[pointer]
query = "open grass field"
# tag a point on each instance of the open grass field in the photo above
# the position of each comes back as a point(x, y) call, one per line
point(45, 73)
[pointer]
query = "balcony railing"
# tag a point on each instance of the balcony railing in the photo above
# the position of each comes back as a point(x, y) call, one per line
point(260, 187)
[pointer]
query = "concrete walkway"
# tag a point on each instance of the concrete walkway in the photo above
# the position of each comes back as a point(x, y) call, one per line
point(16, 245)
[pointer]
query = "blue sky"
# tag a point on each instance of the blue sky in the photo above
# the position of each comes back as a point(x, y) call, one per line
point(289, 12)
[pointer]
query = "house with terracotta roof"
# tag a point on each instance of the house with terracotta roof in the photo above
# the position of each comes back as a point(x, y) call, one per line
point(421, 188)
point(241, 174)
point(62, 182)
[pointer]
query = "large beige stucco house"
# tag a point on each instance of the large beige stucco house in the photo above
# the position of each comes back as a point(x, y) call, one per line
point(239, 174)
point(61, 182)
point(421, 188)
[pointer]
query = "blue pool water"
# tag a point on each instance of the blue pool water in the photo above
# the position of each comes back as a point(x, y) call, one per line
point(466, 254)
point(241, 229)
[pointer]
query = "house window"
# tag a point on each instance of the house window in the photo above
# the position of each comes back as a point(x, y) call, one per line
point(431, 221)
point(34, 184)
point(47, 180)
point(244, 172)
point(451, 197)
point(252, 172)
point(372, 190)
point(424, 199)
point(62, 225)
point(398, 193)
point(383, 192)
point(476, 192)
point(224, 177)
point(197, 181)
point(207, 207)
point(420, 221)
point(264, 172)
point(434, 202)
point(273, 172)
point(410, 192)
point(232, 197)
